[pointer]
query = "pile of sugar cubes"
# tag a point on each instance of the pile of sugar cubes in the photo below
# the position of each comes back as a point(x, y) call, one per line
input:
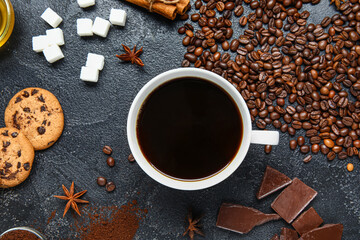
point(86, 27)
point(94, 64)
point(50, 43)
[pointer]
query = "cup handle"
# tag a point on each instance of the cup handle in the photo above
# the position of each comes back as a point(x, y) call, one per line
point(265, 137)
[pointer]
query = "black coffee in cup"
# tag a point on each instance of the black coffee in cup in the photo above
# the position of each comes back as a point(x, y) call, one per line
point(189, 128)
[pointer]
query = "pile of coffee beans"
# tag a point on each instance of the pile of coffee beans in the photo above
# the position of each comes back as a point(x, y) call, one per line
point(300, 77)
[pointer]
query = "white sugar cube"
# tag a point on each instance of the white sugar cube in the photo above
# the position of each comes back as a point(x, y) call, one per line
point(117, 17)
point(95, 60)
point(39, 43)
point(53, 53)
point(86, 3)
point(51, 17)
point(84, 27)
point(101, 27)
point(89, 74)
point(55, 36)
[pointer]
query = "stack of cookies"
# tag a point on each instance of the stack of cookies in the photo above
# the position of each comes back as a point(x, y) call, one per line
point(34, 120)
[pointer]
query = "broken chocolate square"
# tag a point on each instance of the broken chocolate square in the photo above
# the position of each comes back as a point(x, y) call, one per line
point(326, 232)
point(307, 221)
point(288, 234)
point(241, 219)
point(290, 202)
point(272, 181)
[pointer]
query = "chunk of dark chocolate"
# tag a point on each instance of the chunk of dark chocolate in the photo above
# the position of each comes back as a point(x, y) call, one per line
point(307, 221)
point(290, 202)
point(272, 181)
point(326, 232)
point(241, 219)
point(288, 234)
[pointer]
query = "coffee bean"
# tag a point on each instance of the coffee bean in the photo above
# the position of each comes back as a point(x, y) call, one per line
point(315, 148)
point(293, 144)
point(131, 158)
point(329, 143)
point(243, 21)
point(304, 149)
point(307, 159)
point(181, 30)
point(110, 161)
point(220, 6)
point(101, 181)
point(342, 155)
point(190, 57)
point(268, 149)
point(107, 150)
point(331, 156)
point(110, 186)
point(324, 149)
point(238, 11)
point(300, 140)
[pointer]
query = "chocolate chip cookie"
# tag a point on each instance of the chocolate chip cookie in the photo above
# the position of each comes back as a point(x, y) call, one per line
point(38, 114)
point(16, 157)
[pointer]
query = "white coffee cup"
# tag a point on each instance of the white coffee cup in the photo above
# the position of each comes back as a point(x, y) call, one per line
point(249, 135)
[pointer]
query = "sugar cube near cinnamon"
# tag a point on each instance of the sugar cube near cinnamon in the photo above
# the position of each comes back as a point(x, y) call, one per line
point(84, 27)
point(39, 43)
point(95, 60)
point(86, 3)
point(53, 53)
point(117, 17)
point(101, 27)
point(89, 74)
point(51, 17)
point(55, 36)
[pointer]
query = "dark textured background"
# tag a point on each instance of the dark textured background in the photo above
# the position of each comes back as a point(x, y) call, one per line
point(95, 115)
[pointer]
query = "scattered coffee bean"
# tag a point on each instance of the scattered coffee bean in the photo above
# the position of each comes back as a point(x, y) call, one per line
point(307, 159)
point(131, 158)
point(268, 149)
point(110, 186)
point(293, 144)
point(350, 167)
point(101, 181)
point(107, 150)
point(304, 149)
point(301, 141)
point(110, 161)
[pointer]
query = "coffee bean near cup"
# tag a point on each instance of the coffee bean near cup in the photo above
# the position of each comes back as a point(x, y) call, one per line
point(190, 129)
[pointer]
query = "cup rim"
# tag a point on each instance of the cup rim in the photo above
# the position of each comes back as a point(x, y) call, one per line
point(33, 231)
point(9, 27)
point(179, 183)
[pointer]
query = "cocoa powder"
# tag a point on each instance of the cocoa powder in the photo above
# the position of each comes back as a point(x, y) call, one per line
point(110, 223)
point(19, 234)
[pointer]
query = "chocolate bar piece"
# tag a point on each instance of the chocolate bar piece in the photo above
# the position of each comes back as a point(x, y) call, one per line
point(288, 234)
point(241, 219)
point(272, 181)
point(307, 221)
point(293, 200)
point(275, 237)
point(326, 232)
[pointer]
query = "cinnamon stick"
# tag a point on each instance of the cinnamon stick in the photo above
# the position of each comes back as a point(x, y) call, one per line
point(182, 6)
point(167, 10)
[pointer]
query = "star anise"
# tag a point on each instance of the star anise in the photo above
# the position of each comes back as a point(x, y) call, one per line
point(72, 198)
point(131, 55)
point(194, 226)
